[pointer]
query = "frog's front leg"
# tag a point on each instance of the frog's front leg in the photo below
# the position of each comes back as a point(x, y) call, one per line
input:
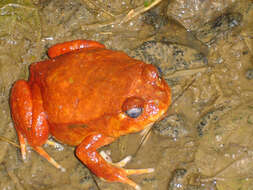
point(29, 118)
point(87, 153)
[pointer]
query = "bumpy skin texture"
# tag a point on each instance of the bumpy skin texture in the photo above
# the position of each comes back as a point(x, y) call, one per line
point(80, 96)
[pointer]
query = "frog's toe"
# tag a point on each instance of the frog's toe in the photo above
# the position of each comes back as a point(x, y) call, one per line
point(44, 154)
point(22, 145)
point(123, 162)
point(135, 172)
point(119, 164)
point(56, 145)
point(139, 171)
point(133, 184)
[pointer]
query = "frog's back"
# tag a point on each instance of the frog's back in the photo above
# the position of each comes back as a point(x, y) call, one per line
point(84, 85)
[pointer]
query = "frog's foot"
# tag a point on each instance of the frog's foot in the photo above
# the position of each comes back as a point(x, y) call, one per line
point(102, 166)
point(120, 164)
point(123, 162)
point(44, 154)
point(39, 150)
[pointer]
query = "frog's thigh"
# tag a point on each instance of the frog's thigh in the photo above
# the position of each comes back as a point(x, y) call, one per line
point(38, 135)
point(28, 114)
point(21, 107)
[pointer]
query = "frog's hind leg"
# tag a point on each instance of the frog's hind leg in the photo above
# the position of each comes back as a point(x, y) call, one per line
point(62, 48)
point(103, 168)
point(44, 154)
point(29, 118)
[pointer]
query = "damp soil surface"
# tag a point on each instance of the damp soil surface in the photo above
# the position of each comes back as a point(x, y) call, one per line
point(204, 51)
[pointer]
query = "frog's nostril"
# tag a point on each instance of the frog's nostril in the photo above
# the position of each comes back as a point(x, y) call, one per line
point(150, 73)
point(159, 71)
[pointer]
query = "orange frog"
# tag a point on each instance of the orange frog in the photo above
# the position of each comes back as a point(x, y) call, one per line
point(87, 96)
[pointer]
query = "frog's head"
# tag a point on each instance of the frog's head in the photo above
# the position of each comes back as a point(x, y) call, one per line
point(148, 101)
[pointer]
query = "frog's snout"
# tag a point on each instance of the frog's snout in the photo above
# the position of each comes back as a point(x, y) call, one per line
point(150, 73)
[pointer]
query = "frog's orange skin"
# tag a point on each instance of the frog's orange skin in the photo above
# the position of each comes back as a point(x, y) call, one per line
point(80, 96)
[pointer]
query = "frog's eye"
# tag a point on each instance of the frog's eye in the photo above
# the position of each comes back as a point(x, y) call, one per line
point(133, 106)
point(134, 112)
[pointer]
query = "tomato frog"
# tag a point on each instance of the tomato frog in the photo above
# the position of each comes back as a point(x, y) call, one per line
point(87, 96)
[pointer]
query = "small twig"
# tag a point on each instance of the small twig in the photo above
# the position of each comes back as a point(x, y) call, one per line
point(145, 136)
point(95, 181)
point(9, 141)
point(16, 5)
point(184, 90)
point(123, 18)
point(14, 178)
point(99, 7)
point(139, 10)
point(187, 72)
point(219, 172)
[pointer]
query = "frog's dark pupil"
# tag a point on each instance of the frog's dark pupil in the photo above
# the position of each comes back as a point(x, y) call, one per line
point(134, 112)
